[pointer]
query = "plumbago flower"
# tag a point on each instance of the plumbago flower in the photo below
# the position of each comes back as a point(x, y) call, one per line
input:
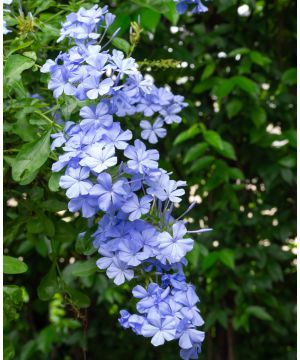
point(183, 5)
point(109, 173)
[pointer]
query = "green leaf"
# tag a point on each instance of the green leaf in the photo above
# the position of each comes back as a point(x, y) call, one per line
point(15, 65)
point(46, 338)
point(35, 225)
point(172, 14)
point(16, 45)
point(84, 244)
point(14, 292)
point(8, 349)
point(84, 268)
point(238, 51)
point(187, 134)
point(31, 157)
point(235, 173)
point(289, 77)
point(18, 87)
point(226, 257)
point(223, 88)
point(13, 265)
point(49, 228)
point(202, 163)
point(291, 135)
point(213, 182)
point(287, 175)
point(43, 5)
point(149, 19)
point(213, 139)
point(121, 44)
point(53, 182)
point(160, 6)
point(259, 58)
point(246, 84)
point(12, 302)
point(22, 127)
point(258, 115)
point(227, 151)
point(210, 260)
point(210, 320)
point(30, 55)
point(27, 179)
point(208, 71)
point(288, 161)
point(78, 298)
point(233, 107)
point(193, 256)
point(67, 107)
point(28, 350)
point(195, 152)
point(221, 316)
point(259, 312)
point(205, 85)
point(54, 205)
point(49, 285)
point(122, 21)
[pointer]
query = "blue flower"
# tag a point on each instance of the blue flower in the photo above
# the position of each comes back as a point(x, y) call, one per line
point(106, 260)
point(83, 24)
point(189, 337)
point(60, 83)
point(135, 207)
point(154, 297)
point(192, 353)
point(59, 140)
point(97, 64)
point(121, 65)
point(119, 272)
point(153, 132)
point(131, 251)
point(123, 320)
point(95, 88)
point(108, 193)
point(109, 19)
point(86, 203)
point(96, 115)
point(175, 247)
point(170, 114)
point(141, 159)
point(76, 182)
point(182, 6)
point(136, 323)
point(99, 157)
point(199, 8)
point(165, 189)
point(188, 299)
point(116, 137)
point(159, 329)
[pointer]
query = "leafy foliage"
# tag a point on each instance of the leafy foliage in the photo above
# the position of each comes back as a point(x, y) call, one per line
point(236, 147)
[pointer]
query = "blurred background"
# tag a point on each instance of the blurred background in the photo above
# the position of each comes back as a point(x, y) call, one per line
point(236, 148)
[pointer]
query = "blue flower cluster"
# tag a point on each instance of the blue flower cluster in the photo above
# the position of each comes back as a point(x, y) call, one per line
point(166, 313)
point(183, 5)
point(106, 174)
